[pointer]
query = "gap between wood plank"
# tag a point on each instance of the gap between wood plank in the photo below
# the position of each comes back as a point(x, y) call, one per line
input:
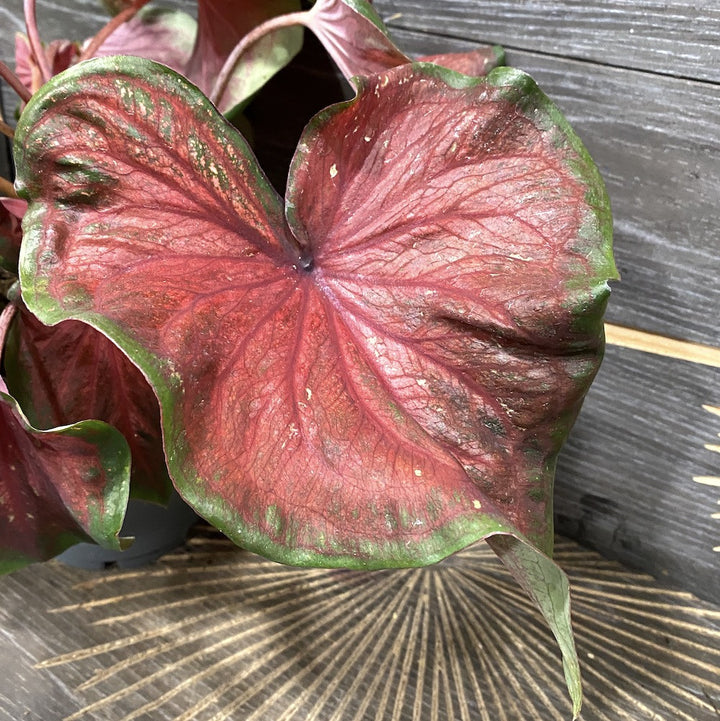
point(660, 345)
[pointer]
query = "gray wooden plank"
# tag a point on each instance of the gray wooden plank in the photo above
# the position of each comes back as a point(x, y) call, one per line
point(625, 479)
point(674, 38)
point(657, 143)
point(214, 632)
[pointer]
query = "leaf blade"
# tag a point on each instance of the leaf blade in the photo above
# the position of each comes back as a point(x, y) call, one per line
point(59, 487)
point(67, 373)
point(303, 409)
point(224, 23)
point(166, 36)
point(354, 36)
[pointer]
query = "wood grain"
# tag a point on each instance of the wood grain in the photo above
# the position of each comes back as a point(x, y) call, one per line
point(664, 37)
point(625, 479)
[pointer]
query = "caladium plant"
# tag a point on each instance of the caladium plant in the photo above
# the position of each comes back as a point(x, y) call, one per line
point(375, 370)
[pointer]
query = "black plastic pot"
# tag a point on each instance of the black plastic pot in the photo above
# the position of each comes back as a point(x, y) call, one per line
point(156, 529)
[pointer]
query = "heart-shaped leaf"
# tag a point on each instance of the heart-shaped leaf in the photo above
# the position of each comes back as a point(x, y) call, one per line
point(380, 377)
point(385, 378)
point(58, 487)
point(221, 25)
point(69, 372)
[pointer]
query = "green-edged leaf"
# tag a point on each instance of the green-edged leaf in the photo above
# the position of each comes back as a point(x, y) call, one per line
point(69, 372)
point(354, 36)
point(378, 376)
point(385, 380)
point(58, 487)
point(221, 25)
point(166, 36)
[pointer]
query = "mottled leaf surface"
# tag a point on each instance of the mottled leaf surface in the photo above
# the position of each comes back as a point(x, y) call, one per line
point(58, 487)
point(383, 377)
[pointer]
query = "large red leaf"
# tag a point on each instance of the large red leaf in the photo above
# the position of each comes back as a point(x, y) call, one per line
point(58, 487)
point(382, 376)
point(68, 373)
point(380, 382)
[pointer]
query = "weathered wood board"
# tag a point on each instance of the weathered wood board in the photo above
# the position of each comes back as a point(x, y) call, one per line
point(663, 37)
point(640, 81)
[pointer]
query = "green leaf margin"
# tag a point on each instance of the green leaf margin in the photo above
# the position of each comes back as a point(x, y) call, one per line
point(104, 523)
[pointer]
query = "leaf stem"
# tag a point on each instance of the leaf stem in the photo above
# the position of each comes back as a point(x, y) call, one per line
point(5, 129)
point(7, 189)
point(102, 35)
point(281, 21)
point(14, 82)
point(35, 42)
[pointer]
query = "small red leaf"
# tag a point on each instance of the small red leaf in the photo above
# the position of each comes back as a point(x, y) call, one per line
point(380, 381)
point(57, 487)
point(60, 54)
point(354, 36)
point(68, 373)
point(167, 36)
